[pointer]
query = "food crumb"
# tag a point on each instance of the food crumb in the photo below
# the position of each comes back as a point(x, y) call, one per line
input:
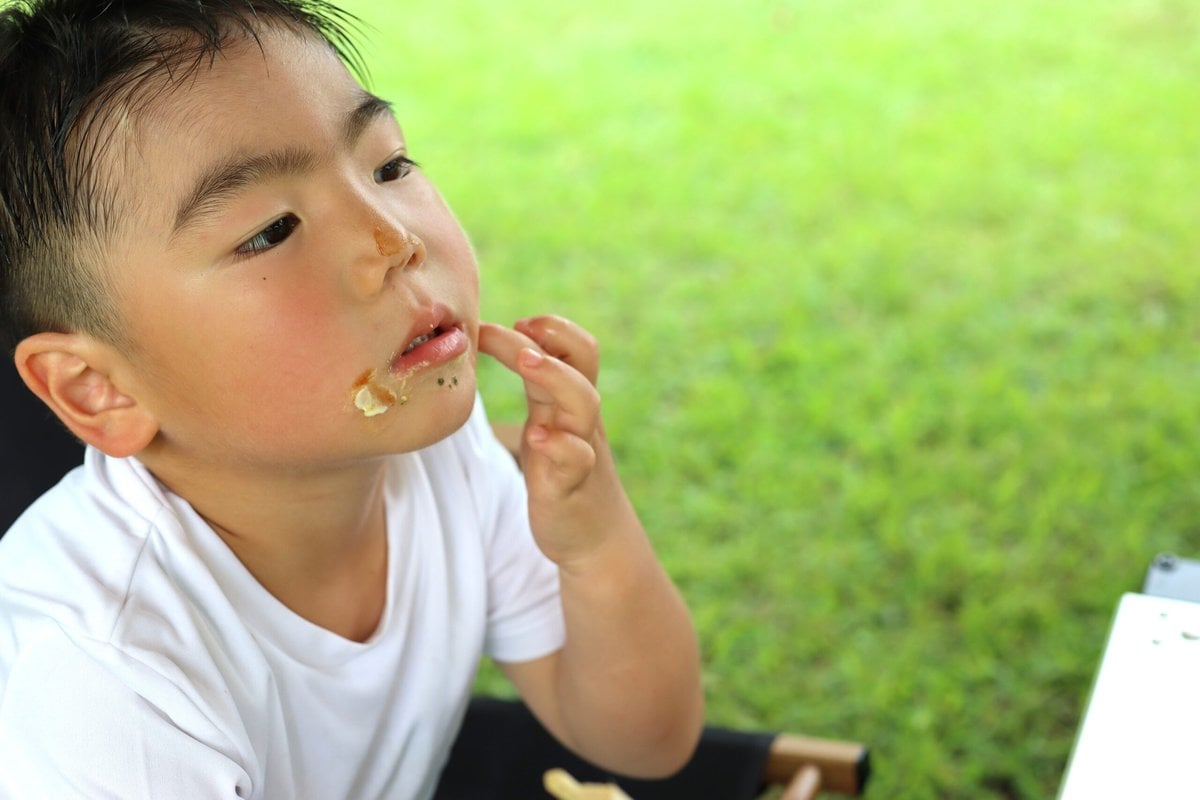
point(370, 398)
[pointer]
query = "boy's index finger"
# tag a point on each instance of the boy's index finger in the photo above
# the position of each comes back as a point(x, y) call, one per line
point(503, 344)
point(557, 394)
point(565, 340)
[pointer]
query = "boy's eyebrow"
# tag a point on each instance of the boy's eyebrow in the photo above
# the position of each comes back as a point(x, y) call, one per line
point(222, 182)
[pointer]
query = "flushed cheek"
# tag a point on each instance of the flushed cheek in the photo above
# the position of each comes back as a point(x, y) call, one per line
point(335, 362)
point(276, 362)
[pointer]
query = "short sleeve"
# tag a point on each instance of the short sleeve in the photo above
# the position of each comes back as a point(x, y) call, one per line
point(525, 618)
point(70, 727)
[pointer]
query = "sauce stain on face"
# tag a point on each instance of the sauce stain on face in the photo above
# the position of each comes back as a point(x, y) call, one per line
point(388, 243)
point(371, 397)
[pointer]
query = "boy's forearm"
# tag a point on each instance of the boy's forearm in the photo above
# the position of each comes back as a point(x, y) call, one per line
point(628, 679)
point(629, 676)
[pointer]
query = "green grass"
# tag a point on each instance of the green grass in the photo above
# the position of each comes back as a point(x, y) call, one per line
point(898, 304)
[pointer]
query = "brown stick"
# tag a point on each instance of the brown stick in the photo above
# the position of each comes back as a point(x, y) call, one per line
point(843, 765)
point(804, 786)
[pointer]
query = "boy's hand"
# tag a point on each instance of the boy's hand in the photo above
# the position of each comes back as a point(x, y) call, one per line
point(564, 454)
point(624, 690)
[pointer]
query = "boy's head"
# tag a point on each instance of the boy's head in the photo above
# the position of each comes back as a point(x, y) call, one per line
point(212, 242)
point(71, 70)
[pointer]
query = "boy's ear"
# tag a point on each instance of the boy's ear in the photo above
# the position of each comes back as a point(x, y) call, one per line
point(73, 375)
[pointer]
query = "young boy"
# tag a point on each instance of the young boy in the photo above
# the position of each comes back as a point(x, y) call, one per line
point(293, 536)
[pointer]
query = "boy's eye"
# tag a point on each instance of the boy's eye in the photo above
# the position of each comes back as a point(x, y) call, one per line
point(395, 169)
point(268, 237)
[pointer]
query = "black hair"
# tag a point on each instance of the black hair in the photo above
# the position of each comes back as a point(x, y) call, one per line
point(69, 71)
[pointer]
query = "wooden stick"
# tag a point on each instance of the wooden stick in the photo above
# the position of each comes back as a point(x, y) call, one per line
point(804, 786)
point(844, 766)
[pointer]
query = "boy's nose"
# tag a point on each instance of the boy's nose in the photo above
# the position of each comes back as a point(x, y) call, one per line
point(393, 250)
point(400, 242)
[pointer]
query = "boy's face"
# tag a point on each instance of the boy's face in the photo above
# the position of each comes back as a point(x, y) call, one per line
point(282, 260)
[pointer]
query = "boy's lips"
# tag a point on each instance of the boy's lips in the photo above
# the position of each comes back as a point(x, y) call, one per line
point(433, 341)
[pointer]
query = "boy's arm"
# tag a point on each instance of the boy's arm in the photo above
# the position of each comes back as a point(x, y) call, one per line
point(625, 689)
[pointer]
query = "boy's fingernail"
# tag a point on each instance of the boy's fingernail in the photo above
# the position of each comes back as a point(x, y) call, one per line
point(538, 434)
point(530, 357)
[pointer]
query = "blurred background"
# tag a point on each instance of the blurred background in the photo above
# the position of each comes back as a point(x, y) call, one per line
point(899, 312)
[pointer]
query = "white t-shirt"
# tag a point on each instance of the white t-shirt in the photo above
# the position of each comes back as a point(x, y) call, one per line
point(139, 658)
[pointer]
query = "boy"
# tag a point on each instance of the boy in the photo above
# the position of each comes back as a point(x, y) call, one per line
point(293, 535)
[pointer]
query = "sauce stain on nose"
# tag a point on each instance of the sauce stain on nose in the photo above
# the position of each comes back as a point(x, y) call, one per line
point(388, 243)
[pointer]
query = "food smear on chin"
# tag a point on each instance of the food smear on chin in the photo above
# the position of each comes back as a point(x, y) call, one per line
point(372, 398)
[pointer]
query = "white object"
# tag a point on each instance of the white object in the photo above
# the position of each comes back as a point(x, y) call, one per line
point(1140, 735)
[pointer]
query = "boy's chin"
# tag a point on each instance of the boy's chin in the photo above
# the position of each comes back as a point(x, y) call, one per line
point(433, 417)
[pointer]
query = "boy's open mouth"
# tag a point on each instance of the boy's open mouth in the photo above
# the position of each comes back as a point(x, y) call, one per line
point(440, 343)
point(422, 339)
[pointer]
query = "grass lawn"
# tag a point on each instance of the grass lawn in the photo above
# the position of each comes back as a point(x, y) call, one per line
point(899, 307)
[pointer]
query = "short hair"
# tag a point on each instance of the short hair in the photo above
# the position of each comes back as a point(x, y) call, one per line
point(68, 69)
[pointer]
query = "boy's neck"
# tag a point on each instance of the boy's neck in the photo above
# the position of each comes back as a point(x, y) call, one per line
point(316, 541)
